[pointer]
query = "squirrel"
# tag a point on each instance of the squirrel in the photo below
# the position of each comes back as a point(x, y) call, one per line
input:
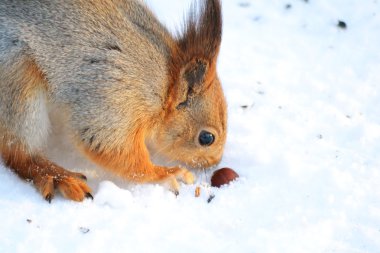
point(127, 87)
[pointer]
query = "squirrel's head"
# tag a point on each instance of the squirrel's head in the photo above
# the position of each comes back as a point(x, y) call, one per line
point(193, 132)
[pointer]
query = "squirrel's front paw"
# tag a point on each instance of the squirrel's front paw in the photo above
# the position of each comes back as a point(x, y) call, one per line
point(185, 176)
point(163, 175)
point(179, 174)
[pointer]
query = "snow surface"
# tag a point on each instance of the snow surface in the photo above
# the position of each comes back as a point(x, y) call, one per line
point(304, 135)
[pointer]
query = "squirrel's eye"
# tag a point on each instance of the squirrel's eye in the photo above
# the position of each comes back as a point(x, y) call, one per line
point(206, 138)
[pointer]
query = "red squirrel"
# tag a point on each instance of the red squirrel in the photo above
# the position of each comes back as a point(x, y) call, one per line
point(121, 80)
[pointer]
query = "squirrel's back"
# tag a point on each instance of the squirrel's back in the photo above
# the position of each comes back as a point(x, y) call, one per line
point(90, 41)
point(105, 57)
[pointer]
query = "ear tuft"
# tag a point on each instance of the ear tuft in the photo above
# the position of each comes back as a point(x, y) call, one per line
point(203, 31)
point(193, 56)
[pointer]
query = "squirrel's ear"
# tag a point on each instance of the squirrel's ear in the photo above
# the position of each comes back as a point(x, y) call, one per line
point(199, 47)
point(202, 31)
point(191, 82)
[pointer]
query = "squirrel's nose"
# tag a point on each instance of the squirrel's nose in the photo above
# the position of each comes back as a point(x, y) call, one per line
point(206, 138)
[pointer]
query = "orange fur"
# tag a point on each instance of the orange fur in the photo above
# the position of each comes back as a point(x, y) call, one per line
point(28, 77)
point(133, 162)
point(31, 77)
point(45, 175)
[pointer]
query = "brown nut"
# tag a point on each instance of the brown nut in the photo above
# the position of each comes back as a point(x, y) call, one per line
point(223, 176)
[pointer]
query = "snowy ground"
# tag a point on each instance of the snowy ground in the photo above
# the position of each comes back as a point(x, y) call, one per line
point(304, 135)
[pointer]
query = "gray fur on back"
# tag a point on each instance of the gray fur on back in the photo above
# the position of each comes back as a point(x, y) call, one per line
point(95, 57)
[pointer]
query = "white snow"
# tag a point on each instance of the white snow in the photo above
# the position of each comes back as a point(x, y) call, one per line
point(306, 147)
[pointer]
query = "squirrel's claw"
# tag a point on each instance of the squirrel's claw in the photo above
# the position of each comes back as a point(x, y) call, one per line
point(49, 197)
point(179, 174)
point(89, 196)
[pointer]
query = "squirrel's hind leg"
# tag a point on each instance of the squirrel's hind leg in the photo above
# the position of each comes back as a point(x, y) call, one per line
point(45, 175)
point(24, 128)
